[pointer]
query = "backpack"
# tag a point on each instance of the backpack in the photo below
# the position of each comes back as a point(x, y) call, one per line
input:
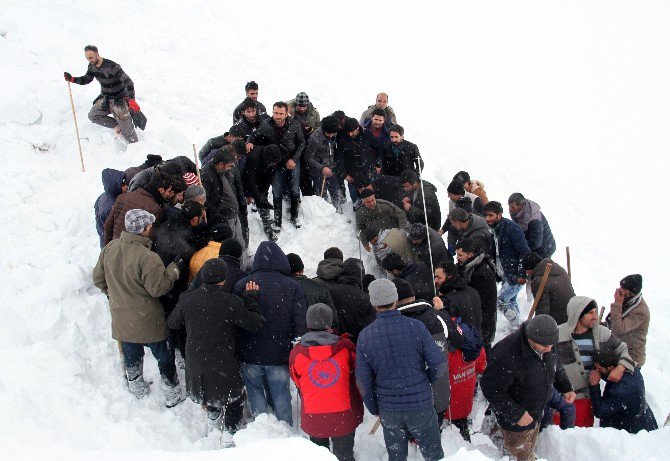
point(472, 340)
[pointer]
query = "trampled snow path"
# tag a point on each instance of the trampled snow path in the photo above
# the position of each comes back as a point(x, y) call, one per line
point(568, 104)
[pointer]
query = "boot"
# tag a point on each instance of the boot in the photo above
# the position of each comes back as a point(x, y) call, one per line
point(267, 225)
point(278, 205)
point(138, 387)
point(215, 419)
point(174, 393)
point(295, 205)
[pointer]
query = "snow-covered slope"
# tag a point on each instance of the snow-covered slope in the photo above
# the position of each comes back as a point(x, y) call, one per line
point(566, 102)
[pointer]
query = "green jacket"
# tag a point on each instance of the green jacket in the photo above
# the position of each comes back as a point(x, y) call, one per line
point(312, 119)
point(134, 277)
point(384, 215)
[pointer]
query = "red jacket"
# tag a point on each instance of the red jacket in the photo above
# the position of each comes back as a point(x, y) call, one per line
point(322, 367)
point(463, 379)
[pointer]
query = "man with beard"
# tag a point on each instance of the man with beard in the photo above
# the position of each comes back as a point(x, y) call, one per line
point(414, 203)
point(399, 154)
point(251, 90)
point(457, 297)
point(375, 136)
point(250, 119)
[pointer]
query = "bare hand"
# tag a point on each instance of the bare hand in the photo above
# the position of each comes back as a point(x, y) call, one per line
point(251, 286)
point(569, 396)
point(378, 170)
point(249, 147)
point(290, 164)
point(437, 303)
point(348, 178)
point(619, 297)
point(525, 420)
point(521, 281)
point(616, 374)
point(594, 377)
point(367, 248)
point(441, 232)
point(249, 200)
point(327, 172)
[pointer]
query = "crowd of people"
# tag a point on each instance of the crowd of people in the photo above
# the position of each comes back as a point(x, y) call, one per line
point(412, 347)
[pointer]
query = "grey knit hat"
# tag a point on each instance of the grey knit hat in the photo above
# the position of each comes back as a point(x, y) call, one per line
point(382, 292)
point(137, 220)
point(542, 329)
point(319, 317)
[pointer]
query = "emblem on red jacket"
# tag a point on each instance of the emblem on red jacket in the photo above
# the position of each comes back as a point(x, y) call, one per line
point(324, 373)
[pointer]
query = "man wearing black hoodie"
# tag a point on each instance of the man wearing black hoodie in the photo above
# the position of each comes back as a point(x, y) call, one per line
point(417, 274)
point(351, 303)
point(458, 298)
point(330, 267)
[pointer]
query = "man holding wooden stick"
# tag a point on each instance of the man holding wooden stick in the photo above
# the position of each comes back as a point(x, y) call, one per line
point(117, 97)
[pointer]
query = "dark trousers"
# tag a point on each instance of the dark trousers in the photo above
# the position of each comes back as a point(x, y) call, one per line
point(421, 425)
point(232, 413)
point(133, 355)
point(565, 410)
point(462, 425)
point(343, 446)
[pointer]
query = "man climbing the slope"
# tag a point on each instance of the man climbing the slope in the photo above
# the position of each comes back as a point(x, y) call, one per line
point(117, 96)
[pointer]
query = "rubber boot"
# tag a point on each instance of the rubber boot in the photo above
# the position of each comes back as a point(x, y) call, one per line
point(267, 224)
point(295, 206)
point(278, 204)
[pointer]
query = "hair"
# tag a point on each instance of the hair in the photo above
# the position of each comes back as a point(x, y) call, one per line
point(191, 209)
point(468, 245)
point(459, 214)
point(178, 184)
point(226, 155)
point(462, 176)
point(160, 180)
point(385, 307)
point(516, 198)
point(251, 86)
point(379, 112)
point(91, 48)
point(449, 268)
point(248, 103)
point(194, 191)
point(393, 262)
point(171, 167)
point(493, 207)
point(339, 115)
point(361, 180)
point(239, 147)
point(367, 280)
point(280, 104)
point(333, 253)
point(398, 129)
point(409, 176)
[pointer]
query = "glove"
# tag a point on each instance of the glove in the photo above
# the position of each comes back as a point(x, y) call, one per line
point(264, 204)
point(180, 261)
point(68, 77)
point(132, 105)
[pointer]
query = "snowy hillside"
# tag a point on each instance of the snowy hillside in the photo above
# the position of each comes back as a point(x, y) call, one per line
point(567, 102)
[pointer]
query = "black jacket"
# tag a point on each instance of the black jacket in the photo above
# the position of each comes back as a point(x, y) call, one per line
point(420, 277)
point(249, 127)
point(289, 138)
point(212, 317)
point(389, 188)
point(316, 292)
point(328, 271)
point(233, 274)
point(238, 113)
point(462, 301)
point(479, 273)
point(214, 143)
point(257, 175)
point(348, 158)
point(214, 188)
point(352, 304)
point(437, 247)
point(517, 379)
point(404, 156)
point(433, 212)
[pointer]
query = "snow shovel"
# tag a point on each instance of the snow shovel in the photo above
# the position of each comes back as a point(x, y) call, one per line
point(139, 119)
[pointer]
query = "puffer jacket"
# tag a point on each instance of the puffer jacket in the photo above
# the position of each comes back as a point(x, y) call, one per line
point(352, 304)
point(283, 307)
point(603, 339)
point(557, 292)
point(536, 229)
point(478, 272)
point(328, 270)
point(112, 181)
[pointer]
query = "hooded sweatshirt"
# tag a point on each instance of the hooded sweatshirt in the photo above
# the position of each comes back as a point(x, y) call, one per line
point(112, 180)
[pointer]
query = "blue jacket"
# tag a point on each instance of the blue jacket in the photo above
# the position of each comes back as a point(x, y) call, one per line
point(623, 404)
point(540, 238)
point(391, 357)
point(511, 248)
point(283, 308)
point(112, 180)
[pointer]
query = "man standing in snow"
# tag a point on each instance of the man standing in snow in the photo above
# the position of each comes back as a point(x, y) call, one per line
point(399, 154)
point(629, 317)
point(115, 184)
point(134, 277)
point(251, 90)
point(117, 97)
point(531, 220)
point(381, 103)
point(397, 360)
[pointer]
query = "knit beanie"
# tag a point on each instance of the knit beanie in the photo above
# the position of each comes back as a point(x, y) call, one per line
point(542, 329)
point(302, 99)
point(231, 247)
point(589, 307)
point(382, 292)
point(456, 188)
point(214, 271)
point(319, 317)
point(190, 179)
point(404, 289)
point(632, 283)
point(295, 262)
point(530, 261)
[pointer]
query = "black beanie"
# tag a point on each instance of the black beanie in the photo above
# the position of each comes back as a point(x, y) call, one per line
point(530, 261)
point(632, 283)
point(404, 288)
point(393, 262)
point(456, 188)
point(220, 232)
point(295, 262)
point(214, 271)
point(589, 307)
point(365, 193)
point(231, 247)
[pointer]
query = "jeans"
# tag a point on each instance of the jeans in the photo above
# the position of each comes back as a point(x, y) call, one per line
point(133, 355)
point(286, 180)
point(421, 425)
point(235, 225)
point(507, 301)
point(343, 446)
point(332, 187)
point(278, 384)
point(566, 411)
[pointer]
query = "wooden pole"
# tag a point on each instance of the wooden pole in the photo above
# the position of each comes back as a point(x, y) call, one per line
point(567, 255)
point(323, 186)
point(76, 128)
point(545, 276)
point(376, 426)
point(197, 167)
point(602, 311)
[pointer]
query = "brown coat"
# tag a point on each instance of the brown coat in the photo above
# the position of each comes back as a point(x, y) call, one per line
point(134, 277)
point(631, 327)
point(116, 221)
point(557, 292)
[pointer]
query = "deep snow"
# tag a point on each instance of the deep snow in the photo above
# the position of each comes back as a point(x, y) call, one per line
point(566, 102)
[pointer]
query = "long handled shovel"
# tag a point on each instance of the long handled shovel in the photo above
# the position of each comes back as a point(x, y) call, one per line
point(76, 127)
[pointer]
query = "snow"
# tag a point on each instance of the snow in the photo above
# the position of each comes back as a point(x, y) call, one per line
point(566, 102)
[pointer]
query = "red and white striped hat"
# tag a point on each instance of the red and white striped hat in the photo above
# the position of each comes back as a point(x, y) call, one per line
point(190, 179)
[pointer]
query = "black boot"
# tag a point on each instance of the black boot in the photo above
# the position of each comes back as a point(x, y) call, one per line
point(278, 203)
point(295, 205)
point(267, 224)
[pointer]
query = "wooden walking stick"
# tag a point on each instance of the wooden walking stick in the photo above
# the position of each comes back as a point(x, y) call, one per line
point(376, 426)
point(197, 167)
point(567, 255)
point(323, 186)
point(76, 128)
point(602, 311)
point(545, 276)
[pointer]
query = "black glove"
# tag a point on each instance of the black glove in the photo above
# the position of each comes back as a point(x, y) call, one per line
point(68, 77)
point(264, 204)
point(181, 261)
